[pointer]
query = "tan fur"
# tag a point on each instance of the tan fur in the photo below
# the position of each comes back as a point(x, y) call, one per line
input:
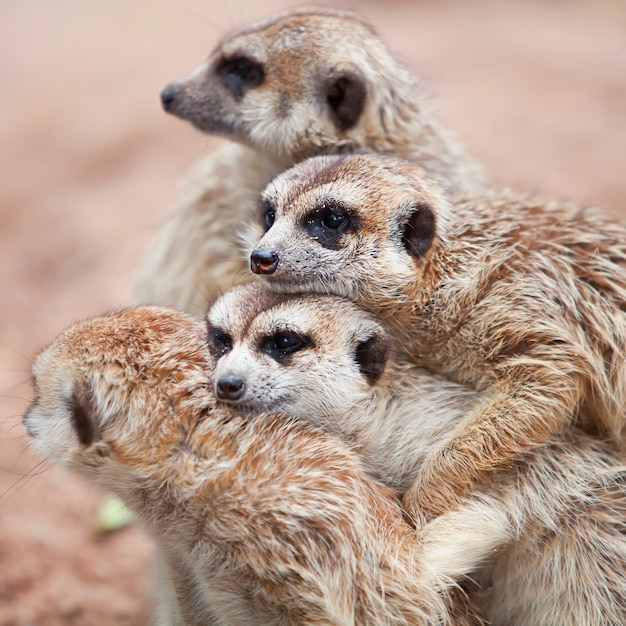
point(260, 521)
point(546, 543)
point(305, 53)
point(520, 297)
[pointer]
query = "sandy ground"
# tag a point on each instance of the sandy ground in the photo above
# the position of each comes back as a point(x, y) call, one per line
point(89, 162)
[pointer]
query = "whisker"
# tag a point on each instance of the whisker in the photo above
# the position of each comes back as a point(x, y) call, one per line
point(10, 397)
point(26, 357)
point(21, 436)
point(24, 479)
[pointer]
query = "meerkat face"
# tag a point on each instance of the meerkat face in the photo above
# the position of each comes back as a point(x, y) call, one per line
point(359, 226)
point(59, 419)
point(294, 85)
point(104, 388)
point(305, 355)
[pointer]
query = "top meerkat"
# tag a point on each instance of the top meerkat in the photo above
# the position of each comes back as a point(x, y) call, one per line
point(303, 82)
point(312, 80)
point(519, 297)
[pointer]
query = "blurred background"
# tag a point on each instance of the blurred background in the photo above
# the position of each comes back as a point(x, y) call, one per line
point(88, 168)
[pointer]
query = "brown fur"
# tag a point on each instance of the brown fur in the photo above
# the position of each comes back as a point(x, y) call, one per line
point(260, 521)
point(520, 297)
point(339, 91)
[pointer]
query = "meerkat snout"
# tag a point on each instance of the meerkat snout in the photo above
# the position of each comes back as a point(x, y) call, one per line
point(264, 261)
point(230, 389)
point(169, 98)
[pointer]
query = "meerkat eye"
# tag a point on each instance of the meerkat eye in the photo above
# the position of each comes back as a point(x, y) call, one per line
point(268, 215)
point(283, 343)
point(220, 342)
point(327, 223)
point(333, 219)
point(241, 74)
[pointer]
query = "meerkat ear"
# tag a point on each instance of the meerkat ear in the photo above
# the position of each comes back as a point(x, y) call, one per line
point(346, 91)
point(82, 414)
point(419, 231)
point(371, 356)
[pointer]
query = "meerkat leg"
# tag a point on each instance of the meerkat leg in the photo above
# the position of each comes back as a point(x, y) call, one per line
point(489, 440)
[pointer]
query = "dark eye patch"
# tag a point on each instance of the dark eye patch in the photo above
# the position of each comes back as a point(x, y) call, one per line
point(240, 74)
point(281, 344)
point(267, 214)
point(328, 222)
point(220, 342)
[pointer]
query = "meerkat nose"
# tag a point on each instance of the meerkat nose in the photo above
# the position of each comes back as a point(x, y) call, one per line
point(263, 261)
point(230, 389)
point(168, 97)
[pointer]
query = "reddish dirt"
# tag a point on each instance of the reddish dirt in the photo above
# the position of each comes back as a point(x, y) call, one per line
point(537, 90)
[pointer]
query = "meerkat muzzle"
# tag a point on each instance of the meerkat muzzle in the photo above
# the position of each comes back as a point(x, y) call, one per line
point(170, 97)
point(230, 389)
point(264, 261)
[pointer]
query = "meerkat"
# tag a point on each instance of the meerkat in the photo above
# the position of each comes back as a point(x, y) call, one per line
point(305, 81)
point(519, 297)
point(547, 543)
point(260, 521)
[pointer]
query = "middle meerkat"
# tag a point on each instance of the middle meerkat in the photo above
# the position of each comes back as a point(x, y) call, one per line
point(520, 298)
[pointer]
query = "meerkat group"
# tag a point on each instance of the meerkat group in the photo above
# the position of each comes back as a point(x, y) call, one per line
point(307, 81)
point(267, 518)
point(523, 299)
point(533, 542)
point(265, 521)
point(307, 407)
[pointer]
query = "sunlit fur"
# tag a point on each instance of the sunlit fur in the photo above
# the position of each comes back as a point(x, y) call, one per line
point(545, 543)
point(276, 124)
point(260, 521)
point(521, 297)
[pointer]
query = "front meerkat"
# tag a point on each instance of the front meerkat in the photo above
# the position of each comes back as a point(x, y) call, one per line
point(520, 298)
point(305, 81)
point(266, 521)
point(547, 541)
point(321, 359)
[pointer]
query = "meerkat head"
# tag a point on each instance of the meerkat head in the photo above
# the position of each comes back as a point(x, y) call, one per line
point(306, 355)
point(105, 387)
point(302, 82)
point(359, 226)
